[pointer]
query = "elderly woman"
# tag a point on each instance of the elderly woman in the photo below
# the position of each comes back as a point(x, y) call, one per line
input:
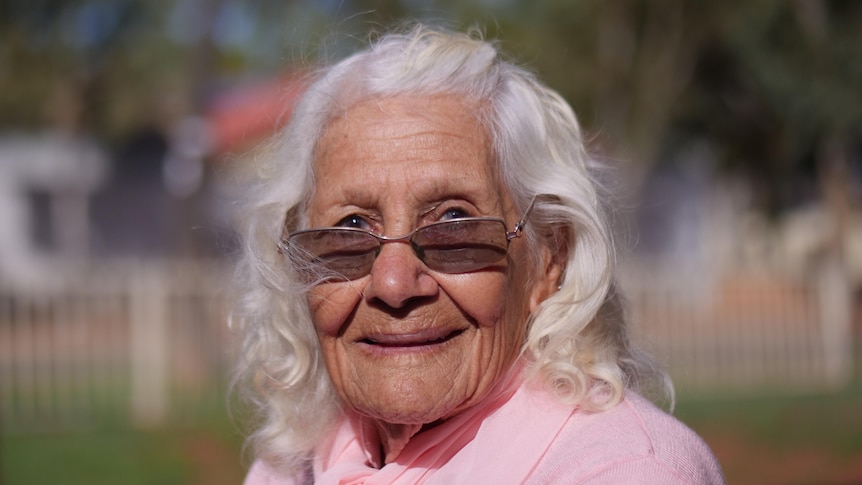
point(429, 287)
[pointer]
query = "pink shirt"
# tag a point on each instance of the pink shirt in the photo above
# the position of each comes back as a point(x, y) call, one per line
point(524, 436)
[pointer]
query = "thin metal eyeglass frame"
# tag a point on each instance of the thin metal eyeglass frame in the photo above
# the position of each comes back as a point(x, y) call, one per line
point(516, 231)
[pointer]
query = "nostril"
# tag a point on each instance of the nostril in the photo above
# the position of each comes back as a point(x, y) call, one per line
point(398, 277)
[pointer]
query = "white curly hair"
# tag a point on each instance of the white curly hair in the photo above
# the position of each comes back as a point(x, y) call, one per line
point(577, 342)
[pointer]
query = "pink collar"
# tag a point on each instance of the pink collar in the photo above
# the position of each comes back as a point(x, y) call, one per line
point(512, 428)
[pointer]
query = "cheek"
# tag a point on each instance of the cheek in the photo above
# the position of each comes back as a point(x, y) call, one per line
point(484, 297)
point(331, 305)
point(497, 302)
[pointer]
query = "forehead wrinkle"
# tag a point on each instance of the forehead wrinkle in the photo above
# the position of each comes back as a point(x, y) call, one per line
point(389, 143)
point(440, 184)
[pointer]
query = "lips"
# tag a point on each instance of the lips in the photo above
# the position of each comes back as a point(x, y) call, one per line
point(411, 339)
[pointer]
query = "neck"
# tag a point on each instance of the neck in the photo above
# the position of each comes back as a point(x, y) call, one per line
point(394, 437)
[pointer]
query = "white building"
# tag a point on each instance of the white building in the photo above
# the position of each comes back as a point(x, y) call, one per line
point(46, 182)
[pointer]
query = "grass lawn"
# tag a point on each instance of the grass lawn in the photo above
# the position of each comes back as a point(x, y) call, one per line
point(182, 457)
point(775, 439)
point(782, 439)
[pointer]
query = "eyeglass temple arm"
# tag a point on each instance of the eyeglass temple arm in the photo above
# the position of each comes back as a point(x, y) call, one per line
point(519, 226)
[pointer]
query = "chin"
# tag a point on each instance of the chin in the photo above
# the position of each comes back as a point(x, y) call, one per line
point(411, 401)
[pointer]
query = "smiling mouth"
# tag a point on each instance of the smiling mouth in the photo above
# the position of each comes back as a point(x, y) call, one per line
point(420, 339)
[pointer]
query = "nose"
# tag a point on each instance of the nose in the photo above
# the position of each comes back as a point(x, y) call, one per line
point(398, 276)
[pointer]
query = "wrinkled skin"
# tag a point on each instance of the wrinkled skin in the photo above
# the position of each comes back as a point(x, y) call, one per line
point(407, 346)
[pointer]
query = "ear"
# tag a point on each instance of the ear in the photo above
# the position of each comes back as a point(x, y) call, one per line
point(547, 281)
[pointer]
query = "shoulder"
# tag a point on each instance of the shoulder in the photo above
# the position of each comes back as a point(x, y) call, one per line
point(634, 442)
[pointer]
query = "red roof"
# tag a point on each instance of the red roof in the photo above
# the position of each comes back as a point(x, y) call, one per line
point(246, 115)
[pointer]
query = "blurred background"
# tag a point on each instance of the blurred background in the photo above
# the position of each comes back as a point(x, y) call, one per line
point(734, 129)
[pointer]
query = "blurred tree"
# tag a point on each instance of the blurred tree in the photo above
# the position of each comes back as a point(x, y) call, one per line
point(771, 85)
point(107, 53)
point(777, 88)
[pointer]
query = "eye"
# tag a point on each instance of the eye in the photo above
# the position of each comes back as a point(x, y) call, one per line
point(354, 221)
point(454, 213)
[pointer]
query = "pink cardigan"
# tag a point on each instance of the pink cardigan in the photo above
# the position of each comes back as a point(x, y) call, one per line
point(527, 437)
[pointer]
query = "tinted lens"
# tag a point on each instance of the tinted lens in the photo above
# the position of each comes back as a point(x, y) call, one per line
point(320, 253)
point(462, 246)
point(447, 247)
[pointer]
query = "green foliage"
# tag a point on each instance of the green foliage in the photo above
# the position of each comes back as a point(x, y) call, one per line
point(768, 84)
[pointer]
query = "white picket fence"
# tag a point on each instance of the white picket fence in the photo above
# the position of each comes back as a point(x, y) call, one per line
point(147, 342)
point(746, 330)
point(139, 342)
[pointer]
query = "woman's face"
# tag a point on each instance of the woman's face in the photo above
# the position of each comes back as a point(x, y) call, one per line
point(406, 344)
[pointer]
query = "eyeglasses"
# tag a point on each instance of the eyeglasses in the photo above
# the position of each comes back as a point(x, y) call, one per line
point(454, 246)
